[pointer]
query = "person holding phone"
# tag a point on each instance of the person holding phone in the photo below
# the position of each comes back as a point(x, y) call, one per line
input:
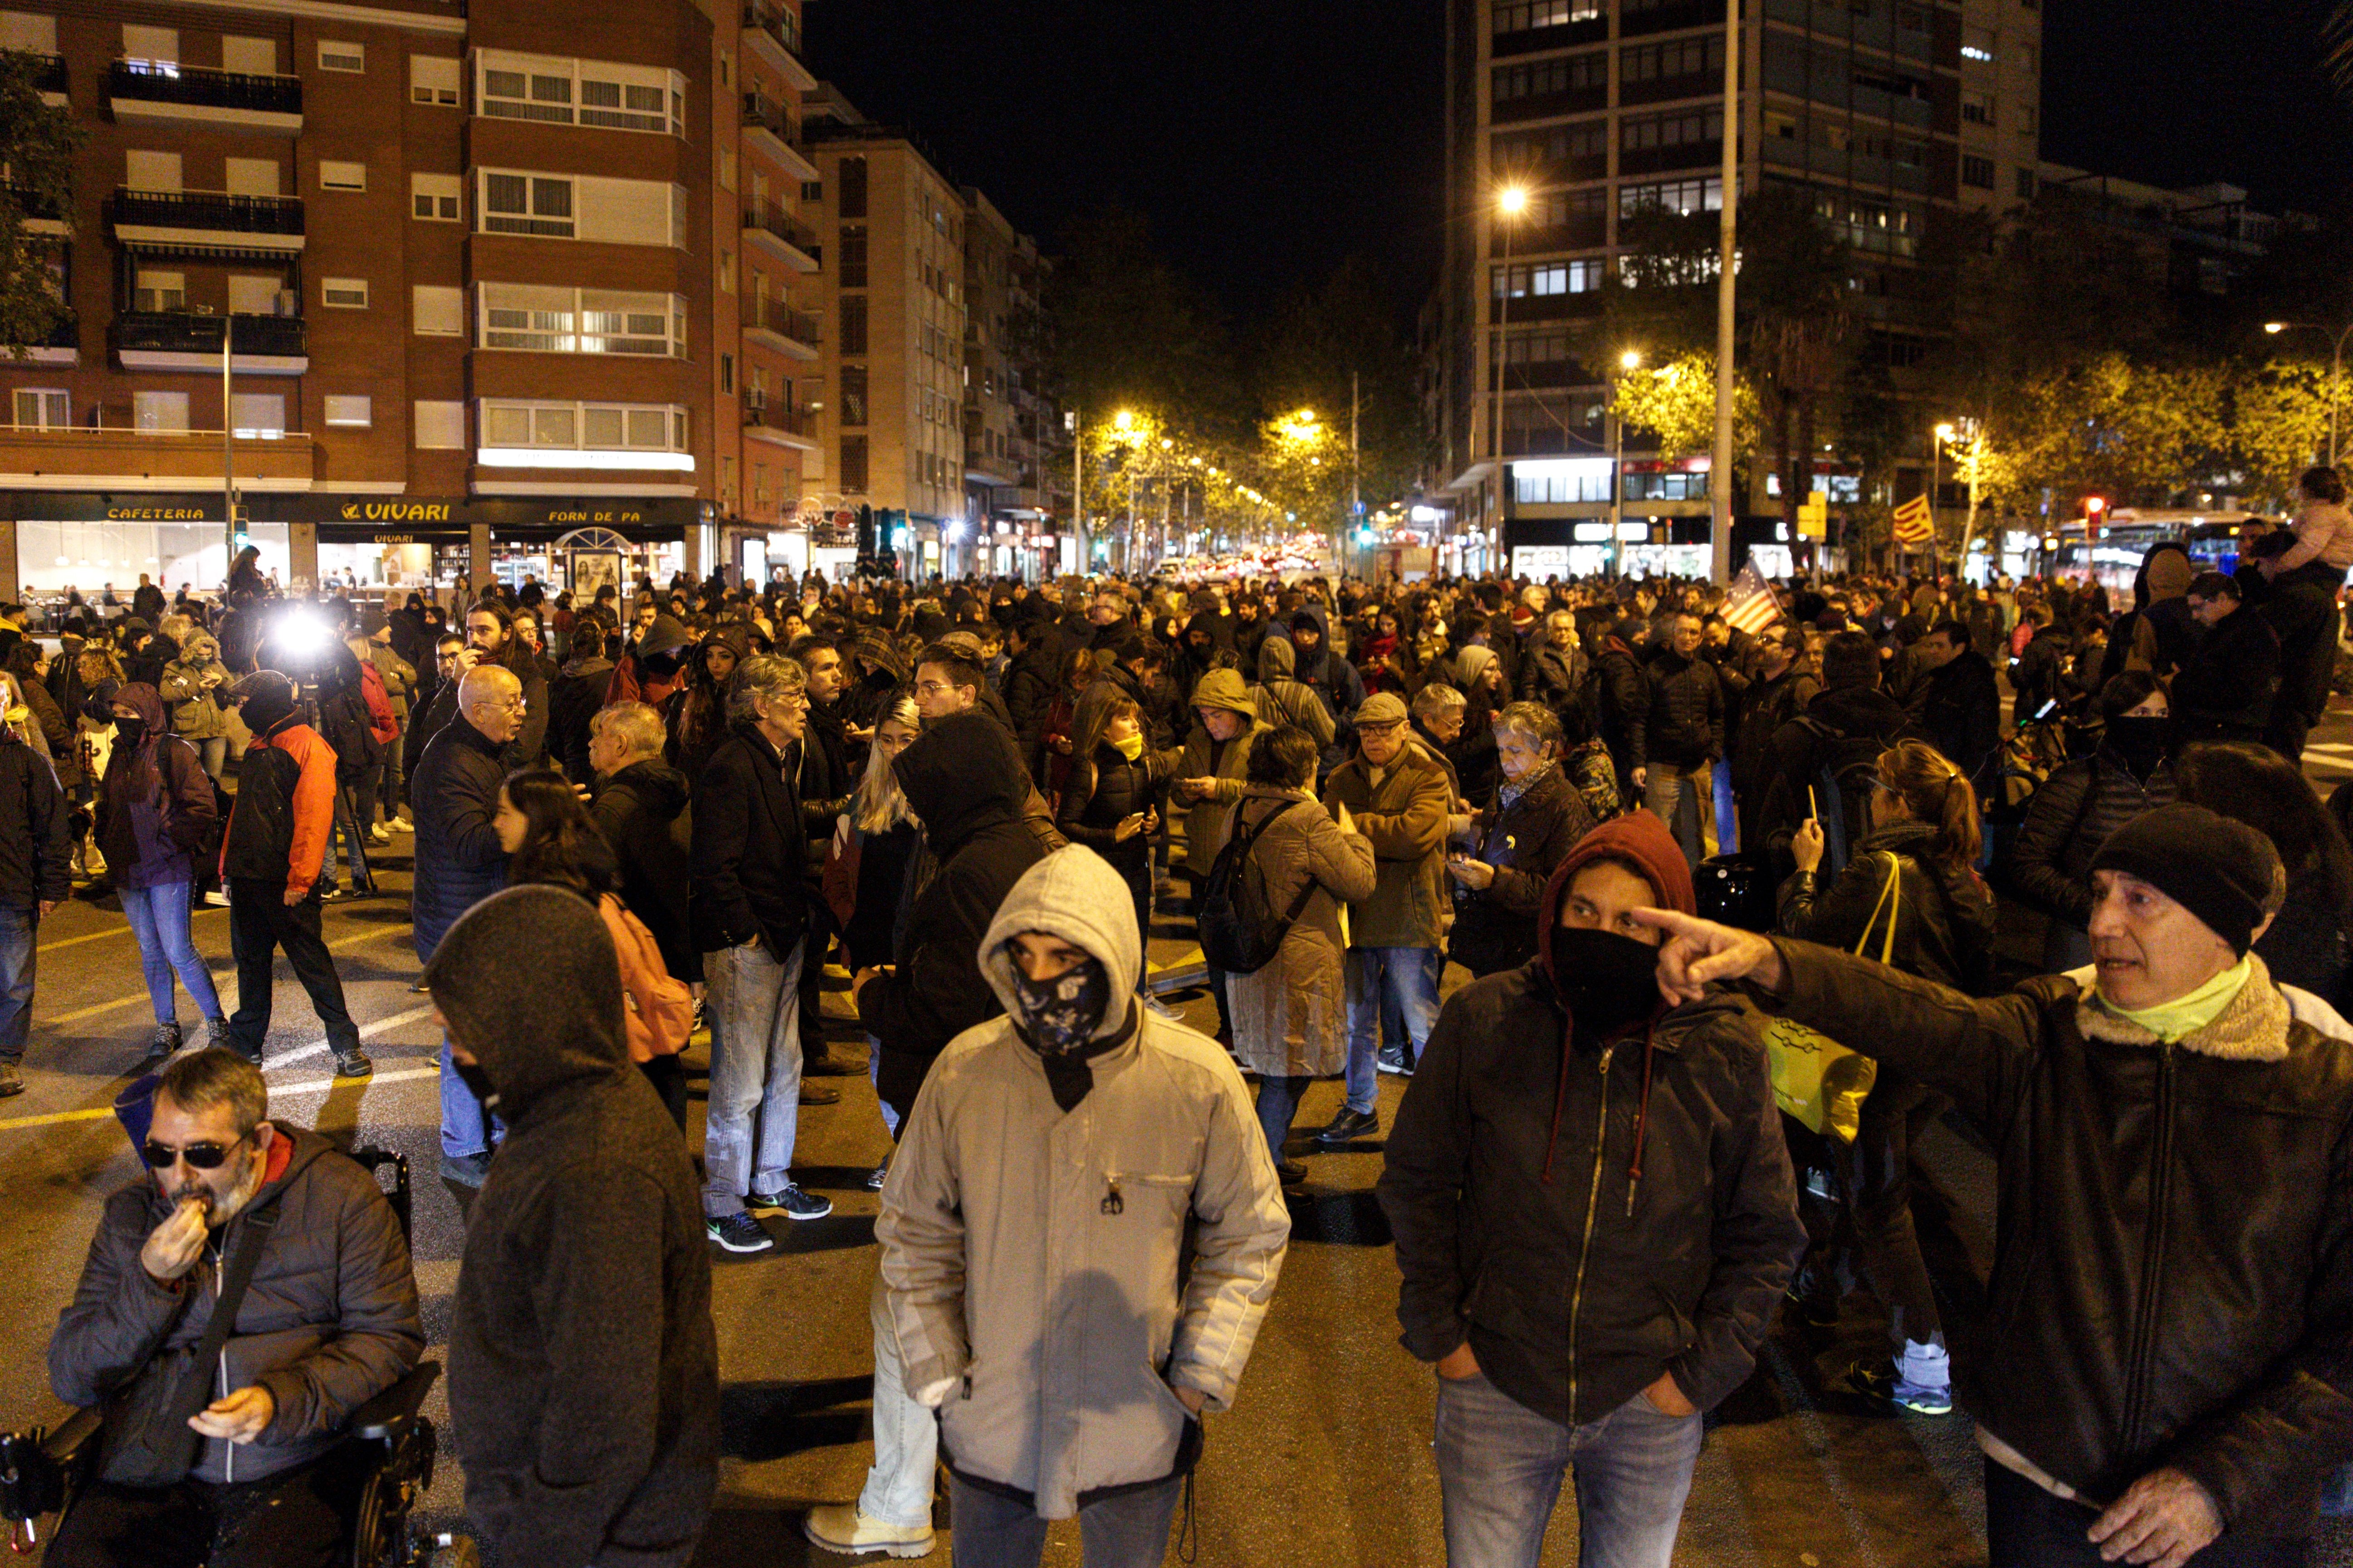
point(1109, 797)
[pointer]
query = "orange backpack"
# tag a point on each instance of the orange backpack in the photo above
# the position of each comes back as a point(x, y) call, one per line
point(660, 1009)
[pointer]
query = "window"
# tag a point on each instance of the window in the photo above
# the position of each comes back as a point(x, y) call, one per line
point(853, 325)
point(1527, 15)
point(1538, 348)
point(252, 176)
point(1546, 278)
point(1978, 108)
point(43, 410)
point(1683, 197)
point(155, 50)
point(335, 56)
point(433, 78)
point(150, 170)
point(257, 413)
point(339, 176)
point(249, 56)
point(1588, 72)
point(1978, 45)
point(31, 32)
point(853, 395)
point(851, 188)
point(1690, 128)
point(1562, 483)
point(352, 412)
point(850, 266)
point(726, 373)
point(1666, 487)
point(155, 290)
point(519, 431)
point(256, 294)
point(2027, 184)
point(562, 92)
point(436, 197)
point(585, 206)
point(1977, 173)
point(1553, 145)
point(517, 203)
point(853, 465)
point(1681, 57)
point(438, 310)
point(727, 168)
point(160, 410)
point(439, 426)
point(727, 271)
point(544, 320)
point(343, 293)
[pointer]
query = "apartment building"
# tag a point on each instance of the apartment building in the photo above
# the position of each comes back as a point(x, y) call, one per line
point(1015, 446)
point(1886, 114)
point(492, 283)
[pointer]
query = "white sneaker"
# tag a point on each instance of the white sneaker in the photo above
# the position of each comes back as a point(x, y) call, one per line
point(840, 1527)
point(401, 824)
point(379, 833)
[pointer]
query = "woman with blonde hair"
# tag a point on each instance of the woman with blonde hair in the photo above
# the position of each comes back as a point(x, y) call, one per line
point(872, 843)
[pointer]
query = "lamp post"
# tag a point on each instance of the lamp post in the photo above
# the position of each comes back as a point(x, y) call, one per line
point(1943, 433)
point(2335, 370)
point(1631, 359)
point(1510, 203)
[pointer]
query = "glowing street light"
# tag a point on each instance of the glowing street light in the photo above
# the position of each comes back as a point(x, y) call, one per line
point(1512, 200)
point(1125, 419)
point(1630, 360)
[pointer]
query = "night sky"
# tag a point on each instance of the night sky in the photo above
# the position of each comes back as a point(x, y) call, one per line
point(1270, 140)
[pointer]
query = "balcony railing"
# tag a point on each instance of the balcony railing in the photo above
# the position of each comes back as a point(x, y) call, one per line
point(792, 418)
point(187, 332)
point(209, 209)
point(50, 75)
point(779, 24)
point(31, 204)
point(778, 317)
point(201, 87)
point(764, 113)
point(776, 220)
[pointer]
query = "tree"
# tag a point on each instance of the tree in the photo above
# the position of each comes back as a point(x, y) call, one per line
point(1675, 404)
point(2279, 421)
point(1796, 284)
point(38, 144)
point(1327, 344)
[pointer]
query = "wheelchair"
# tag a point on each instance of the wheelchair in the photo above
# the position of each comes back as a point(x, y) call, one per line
point(42, 1470)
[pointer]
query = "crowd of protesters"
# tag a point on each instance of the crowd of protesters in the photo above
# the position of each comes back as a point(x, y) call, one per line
point(1605, 1176)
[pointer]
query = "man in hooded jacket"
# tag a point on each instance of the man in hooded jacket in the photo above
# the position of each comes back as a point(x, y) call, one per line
point(1060, 1160)
point(1590, 1256)
point(584, 1370)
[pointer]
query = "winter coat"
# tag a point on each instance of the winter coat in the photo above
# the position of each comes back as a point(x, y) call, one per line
point(1512, 1174)
point(1105, 790)
point(329, 1320)
point(576, 699)
point(750, 849)
point(1622, 690)
point(156, 806)
point(1944, 913)
point(1556, 677)
point(1958, 710)
point(36, 845)
point(1495, 926)
point(1804, 746)
point(2039, 673)
point(966, 785)
point(285, 807)
point(584, 1370)
point(2173, 1262)
point(2225, 692)
point(640, 810)
point(1290, 1018)
point(1765, 706)
point(399, 678)
point(1031, 681)
point(1283, 700)
point(1404, 816)
point(1686, 721)
point(1055, 1276)
point(455, 796)
point(1227, 762)
point(2069, 818)
point(197, 714)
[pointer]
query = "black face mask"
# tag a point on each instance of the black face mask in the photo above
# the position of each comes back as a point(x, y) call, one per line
point(472, 1075)
point(1606, 982)
point(129, 731)
point(2140, 741)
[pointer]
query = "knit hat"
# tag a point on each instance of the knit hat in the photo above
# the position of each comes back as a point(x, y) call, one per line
point(268, 700)
point(1381, 707)
point(2224, 872)
point(373, 620)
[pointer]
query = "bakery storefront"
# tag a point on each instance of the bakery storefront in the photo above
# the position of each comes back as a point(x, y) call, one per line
point(84, 540)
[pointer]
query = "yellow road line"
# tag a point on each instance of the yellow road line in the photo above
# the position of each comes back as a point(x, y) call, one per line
point(56, 1116)
point(220, 977)
point(123, 930)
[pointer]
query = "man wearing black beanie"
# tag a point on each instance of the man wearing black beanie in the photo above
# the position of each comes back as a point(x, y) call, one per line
point(2167, 1372)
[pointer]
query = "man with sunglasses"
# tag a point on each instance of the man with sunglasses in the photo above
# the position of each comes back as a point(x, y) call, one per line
point(329, 1320)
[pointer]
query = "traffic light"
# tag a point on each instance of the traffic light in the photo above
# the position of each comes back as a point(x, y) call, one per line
point(2096, 507)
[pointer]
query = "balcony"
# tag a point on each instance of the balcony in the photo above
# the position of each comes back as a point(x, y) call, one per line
point(267, 225)
point(775, 324)
point(772, 32)
point(781, 235)
point(79, 458)
point(190, 340)
point(155, 91)
point(768, 128)
point(49, 81)
point(37, 216)
point(781, 424)
point(61, 344)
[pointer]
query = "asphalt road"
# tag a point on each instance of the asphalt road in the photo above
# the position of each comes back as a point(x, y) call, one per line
point(1326, 1458)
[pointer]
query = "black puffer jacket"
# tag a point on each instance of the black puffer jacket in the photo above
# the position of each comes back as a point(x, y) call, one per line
point(967, 787)
point(1958, 709)
point(1031, 681)
point(1495, 926)
point(2068, 820)
point(2225, 691)
point(1686, 722)
point(1765, 706)
point(1944, 913)
point(2173, 1267)
point(584, 1372)
point(750, 849)
point(1103, 792)
point(638, 810)
point(1622, 704)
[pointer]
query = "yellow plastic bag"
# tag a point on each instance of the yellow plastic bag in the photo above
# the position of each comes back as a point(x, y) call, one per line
point(1815, 1079)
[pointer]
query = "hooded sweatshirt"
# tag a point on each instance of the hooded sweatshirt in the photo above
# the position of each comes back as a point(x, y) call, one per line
point(1031, 1256)
point(156, 806)
point(1590, 1212)
point(584, 1372)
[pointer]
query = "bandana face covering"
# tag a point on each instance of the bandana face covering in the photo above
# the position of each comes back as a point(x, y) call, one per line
point(1606, 982)
point(1059, 1018)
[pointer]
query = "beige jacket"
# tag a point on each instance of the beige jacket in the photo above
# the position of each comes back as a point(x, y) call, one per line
point(1030, 1257)
point(1290, 1018)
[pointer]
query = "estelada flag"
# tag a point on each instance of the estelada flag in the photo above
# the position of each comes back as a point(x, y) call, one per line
point(1915, 524)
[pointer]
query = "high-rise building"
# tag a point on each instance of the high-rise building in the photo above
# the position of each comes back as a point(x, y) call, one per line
point(1885, 113)
point(500, 286)
point(1015, 447)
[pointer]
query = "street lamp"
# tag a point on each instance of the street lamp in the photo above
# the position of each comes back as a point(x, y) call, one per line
point(1628, 362)
point(1511, 201)
point(2335, 370)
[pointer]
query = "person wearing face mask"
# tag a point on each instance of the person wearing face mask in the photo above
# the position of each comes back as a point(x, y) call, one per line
point(1510, 847)
point(1060, 1160)
point(1595, 1218)
point(2172, 1280)
point(2082, 803)
point(1108, 801)
point(330, 1319)
point(155, 809)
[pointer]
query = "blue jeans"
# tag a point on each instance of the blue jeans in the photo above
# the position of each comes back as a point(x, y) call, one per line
point(467, 1125)
point(1409, 977)
point(755, 1004)
point(1278, 1107)
point(1499, 1471)
point(1671, 794)
point(1727, 817)
point(159, 919)
point(17, 929)
point(874, 1077)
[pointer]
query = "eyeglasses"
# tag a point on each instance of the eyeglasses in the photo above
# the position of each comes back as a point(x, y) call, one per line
point(199, 1156)
point(934, 688)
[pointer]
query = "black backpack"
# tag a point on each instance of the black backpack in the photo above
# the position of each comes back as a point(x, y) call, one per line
point(1847, 771)
point(1240, 934)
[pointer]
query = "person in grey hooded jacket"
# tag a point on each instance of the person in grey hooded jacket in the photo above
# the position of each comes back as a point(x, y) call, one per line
point(1032, 1227)
point(584, 1372)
